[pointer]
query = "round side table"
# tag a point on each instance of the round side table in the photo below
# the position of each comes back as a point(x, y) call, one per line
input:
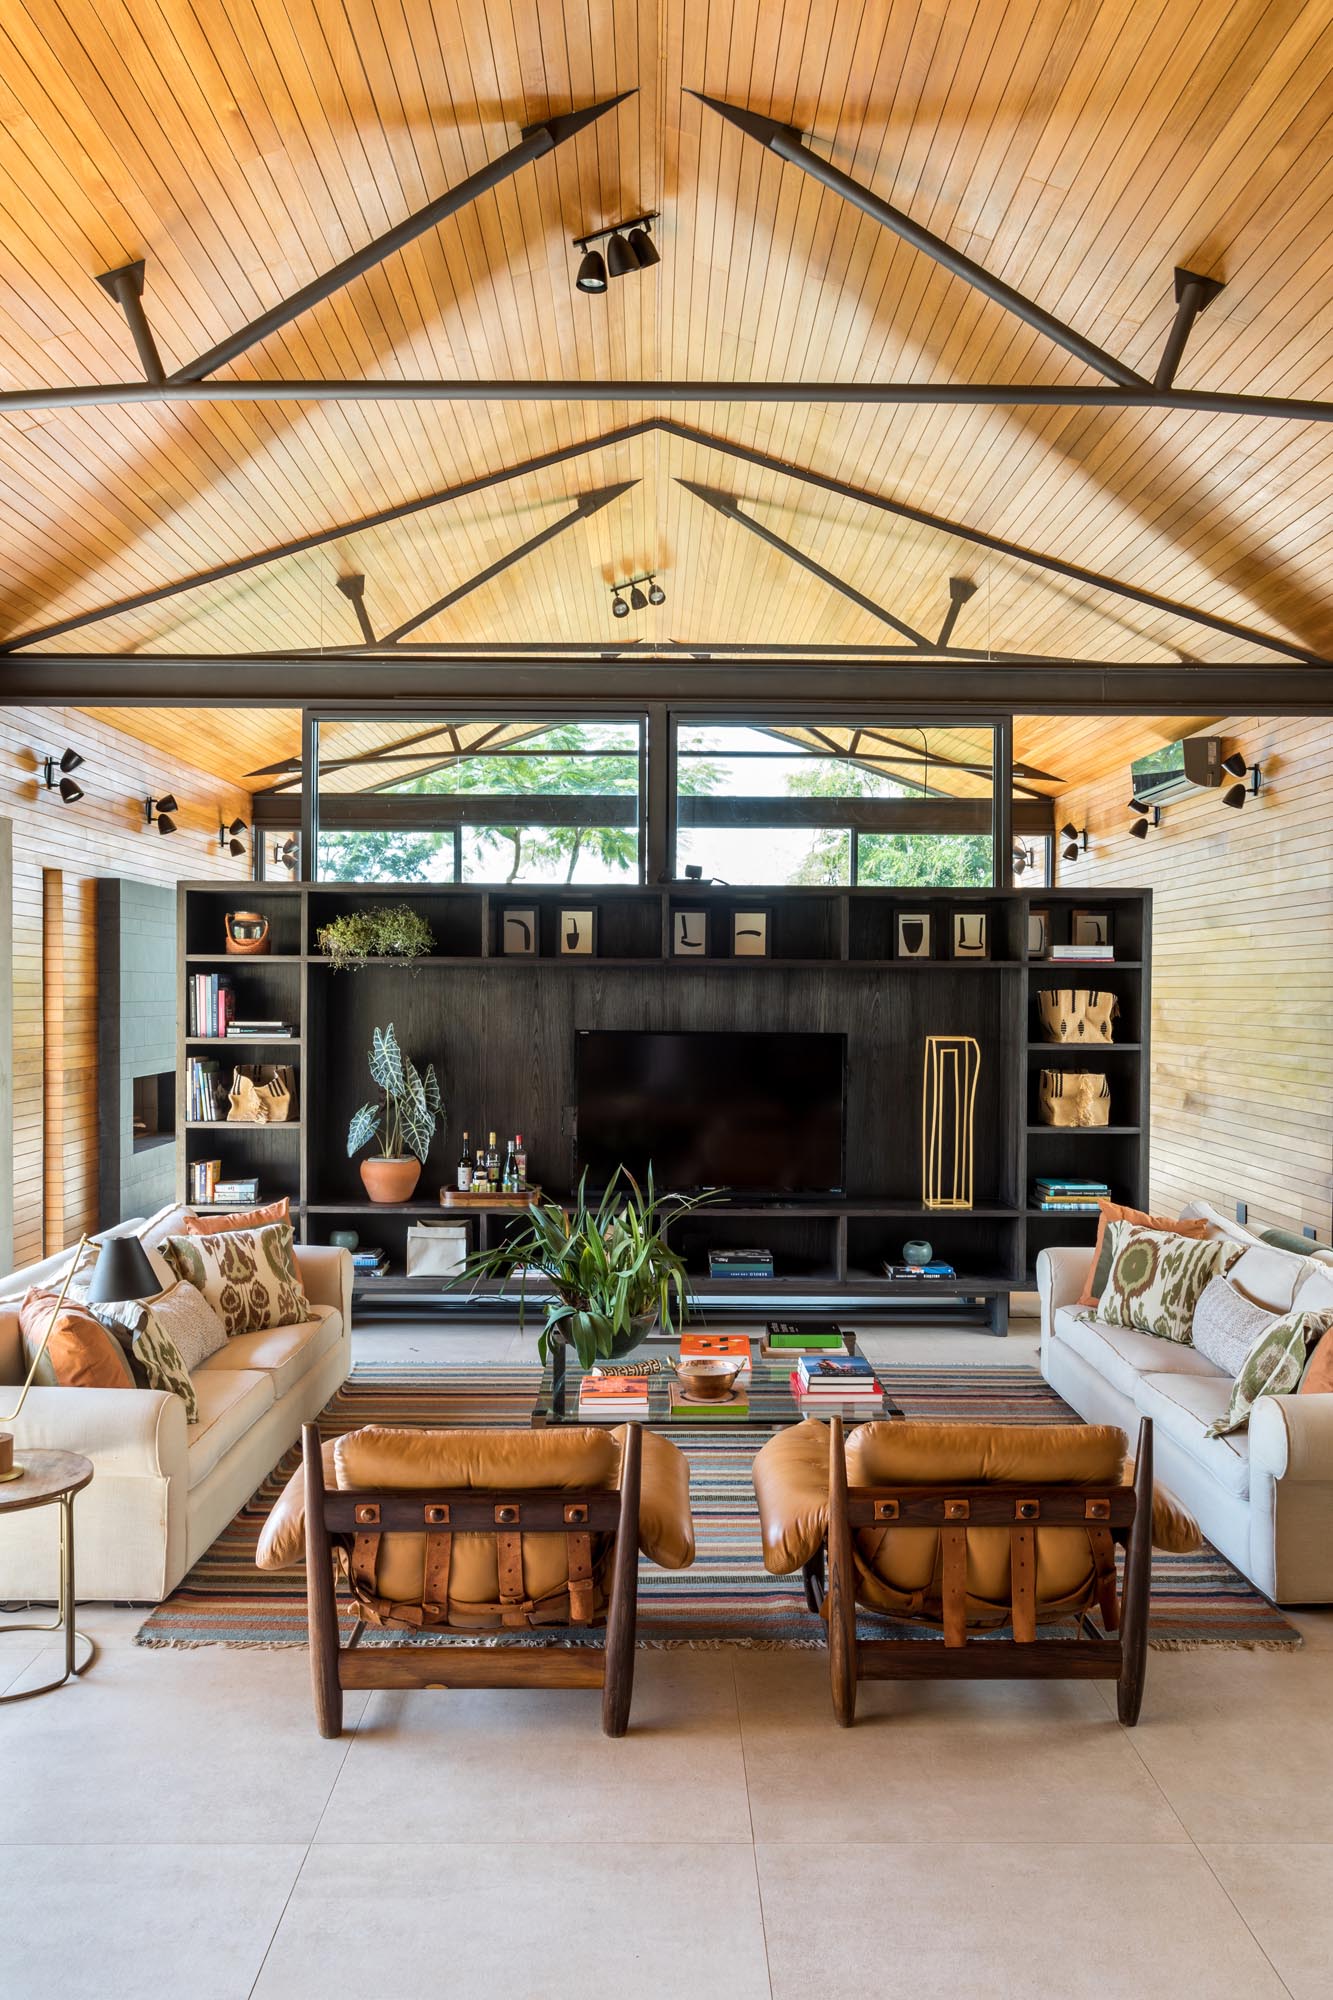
point(52, 1478)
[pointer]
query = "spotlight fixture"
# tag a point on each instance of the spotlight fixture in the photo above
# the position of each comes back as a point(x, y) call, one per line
point(1235, 764)
point(157, 812)
point(70, 760)
point(1023, 858)
point(1150, 816)
point(619, 608)
point(1075, 841)
point(656, 594)
point(629, 247)
point(286, 851)
point(1236, 795)
point(638, 601)
point(229, 839)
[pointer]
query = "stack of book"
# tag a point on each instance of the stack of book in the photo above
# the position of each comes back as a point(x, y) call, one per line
point(720, 1409)
point(842, 1382)
point(370, 1263)
point(1054, 1196)
point(212, 1004)
point(205, 1094)
point(740, 1263)
point(243, 1193)
point(717, 1347)
point(937, 1269)
point(613, 1397)
point(257, 1031)
point(1082, 954)
point(204, 1177)
point(788, 1339)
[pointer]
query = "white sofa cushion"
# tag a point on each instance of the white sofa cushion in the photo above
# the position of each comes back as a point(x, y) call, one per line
point(230, 1401)
point(1122, 1354)
point(1314, 1294)
point(1268, 1276)
point(1183, 1406)
point(284, 1353)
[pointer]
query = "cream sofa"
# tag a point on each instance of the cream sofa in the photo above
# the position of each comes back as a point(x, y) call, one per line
point(1264, 1498)
point(163, 1490)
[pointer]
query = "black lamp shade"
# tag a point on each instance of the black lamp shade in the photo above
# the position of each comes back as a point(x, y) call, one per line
point(167, 804)
point(645, 250)
point(637, 598)
point(69, 791)
point(1137, 806)
point(71, 761)
point(619, 607)
point(1139, 830)
point(1234, 795)
point(236, 826)
point(620, 259)
point(1235, 764)
point(1069, 831)
point(235, 847)
point(122, 1271)
point(656, 594)
point(591, 273)
point(165, 823)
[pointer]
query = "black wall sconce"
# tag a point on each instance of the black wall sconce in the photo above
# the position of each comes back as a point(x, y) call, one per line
point(285, 852)
point(229, 837)
point(157, 812)
point(69, 760)
point(637, 600)
point(629, 247)
point(1251, 778)
point(1074, 841)
point(1148, 816)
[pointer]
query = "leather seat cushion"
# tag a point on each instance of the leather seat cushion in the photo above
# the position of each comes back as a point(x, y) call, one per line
point(230, 1401)
point(1182, 1407)
point(1121, 1354)
point(286, 1353)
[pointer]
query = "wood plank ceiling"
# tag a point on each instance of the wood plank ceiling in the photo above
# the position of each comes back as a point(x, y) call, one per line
point(1077, 151)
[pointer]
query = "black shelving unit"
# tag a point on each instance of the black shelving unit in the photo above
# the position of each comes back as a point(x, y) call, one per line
point(501, 1031)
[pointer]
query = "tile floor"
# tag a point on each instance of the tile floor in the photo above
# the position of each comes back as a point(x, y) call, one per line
point(172, 1825)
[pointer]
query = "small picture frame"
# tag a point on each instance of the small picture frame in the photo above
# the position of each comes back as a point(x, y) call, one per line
point(1090, 927)
point(518, 933)
point(578, 934)
point(912, 934)
point(1039, 933)
point(749, 933)
point(689, 933)
point(970, 934)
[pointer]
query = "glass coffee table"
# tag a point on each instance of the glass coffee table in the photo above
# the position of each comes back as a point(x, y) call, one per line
point(772, 1401)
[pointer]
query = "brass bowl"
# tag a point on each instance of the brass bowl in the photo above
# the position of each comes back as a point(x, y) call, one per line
point(708, 1378)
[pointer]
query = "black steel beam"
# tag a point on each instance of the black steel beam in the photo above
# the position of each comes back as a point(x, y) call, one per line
point(1193, 296)
point(586, 505)
point(931, 688)
point(535, 143)
point(786, 142)
point(606, 389)
point(726, 504)
point(354, 589)
point(961, 588)
point(126, 287)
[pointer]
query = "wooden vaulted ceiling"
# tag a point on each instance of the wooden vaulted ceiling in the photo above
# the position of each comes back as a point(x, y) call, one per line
point(1078, 152)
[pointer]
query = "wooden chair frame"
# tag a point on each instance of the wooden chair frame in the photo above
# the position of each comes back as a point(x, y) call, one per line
point(1124, 1513)
point(333, 1518)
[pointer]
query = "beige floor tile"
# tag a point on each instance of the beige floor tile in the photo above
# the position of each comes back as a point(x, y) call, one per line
point(490, 1921)
point(1041, 1760)
point(1281, 1891)
point(1010, 1922)
point(437, 1762)
point(121, 1921)
point(1228, 1735)
point(1315, 1625)
point(200, 1745)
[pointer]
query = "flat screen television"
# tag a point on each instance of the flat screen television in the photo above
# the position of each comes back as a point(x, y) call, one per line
point(756, 1113)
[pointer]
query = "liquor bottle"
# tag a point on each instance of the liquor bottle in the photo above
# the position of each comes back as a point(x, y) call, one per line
point(509, 1182)
point(464, 1168)
point(520, 1165)
point(493, 1165)
point(480, 1185)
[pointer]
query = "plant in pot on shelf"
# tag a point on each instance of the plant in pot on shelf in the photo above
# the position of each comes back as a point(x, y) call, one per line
point(403, 1123)
point(610, 1266)
point(389, 930)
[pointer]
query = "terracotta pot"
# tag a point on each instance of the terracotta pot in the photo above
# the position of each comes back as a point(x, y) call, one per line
point(391, 1180)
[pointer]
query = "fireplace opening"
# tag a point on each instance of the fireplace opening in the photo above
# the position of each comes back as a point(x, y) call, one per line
point(154, 1110)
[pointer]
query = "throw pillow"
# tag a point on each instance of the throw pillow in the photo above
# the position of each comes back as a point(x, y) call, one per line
point(248, 1276)
point(182, 1314)
point(250, 1218)
point(1114, 1211)
point(154, 1355)
point(80, 1353)
point(1156, 1277)
point(1273, 1367)
point(1227, 1325)
point(1318, 1377)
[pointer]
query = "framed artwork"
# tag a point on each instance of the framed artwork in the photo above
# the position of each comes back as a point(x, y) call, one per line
point(1090, 927)
point(749, 933)
point(913, 934)
point(578, 933)
point(970, 934)
point(689, 933)
point(1039, 933)
point(518, 933)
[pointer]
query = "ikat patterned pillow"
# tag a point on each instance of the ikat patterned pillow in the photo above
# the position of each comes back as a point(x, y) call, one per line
point(1273, 1366)
point(1156, 1278)
point(248, 1276)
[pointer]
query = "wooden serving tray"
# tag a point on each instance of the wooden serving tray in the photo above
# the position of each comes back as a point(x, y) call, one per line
point(451, 1198)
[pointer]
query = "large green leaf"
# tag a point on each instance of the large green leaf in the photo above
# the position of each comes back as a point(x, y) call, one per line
point(386, 1062)
point(364, 1127)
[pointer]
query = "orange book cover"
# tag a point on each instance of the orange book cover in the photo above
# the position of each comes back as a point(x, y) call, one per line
point(613, 1388)
point(714, 1347)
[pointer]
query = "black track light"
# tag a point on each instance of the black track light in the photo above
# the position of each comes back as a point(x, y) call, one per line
point(286, 851)
point(1152, 816)
point(1235, 764)
point(620, 259)
point(157, 812)
point(70, 793)
point(165, 823)
point(645, 250)
point(592, 272)
point(1139, 830)
point(167, 803)
point(619, 608)
point(1074, 841)
point(70, 761)
point(229, 837)
point(637, 599)
point(656, 594)
point(1234, 795)
point(1069, 831)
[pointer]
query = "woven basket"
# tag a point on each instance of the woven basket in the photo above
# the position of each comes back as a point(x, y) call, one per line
point(1074, 1014)
point(1074, 1097)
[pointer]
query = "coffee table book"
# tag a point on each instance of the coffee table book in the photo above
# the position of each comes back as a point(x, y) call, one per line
point(689, 1409)
point(613, 1396)
point(715, 1347)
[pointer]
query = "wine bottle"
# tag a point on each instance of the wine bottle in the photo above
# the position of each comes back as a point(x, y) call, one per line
point(479, 1182)
point(520, 1165)
point(465, 1168)
point(509, 1180)
point(492, 1165)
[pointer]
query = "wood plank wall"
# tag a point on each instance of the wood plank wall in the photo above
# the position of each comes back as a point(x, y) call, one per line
point(59, 852)
point(1242, 1103)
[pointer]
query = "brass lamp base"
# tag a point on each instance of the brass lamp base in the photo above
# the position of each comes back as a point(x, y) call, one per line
point(8, 1469)
point(16, 1473)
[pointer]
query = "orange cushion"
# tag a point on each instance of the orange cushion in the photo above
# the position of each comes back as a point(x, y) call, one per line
point(80, 1354)
point(1116, 1211)
point(1318, 1377)
point(250, 1218)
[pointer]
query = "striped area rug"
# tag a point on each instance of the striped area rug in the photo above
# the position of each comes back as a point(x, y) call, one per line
point(727, 1597)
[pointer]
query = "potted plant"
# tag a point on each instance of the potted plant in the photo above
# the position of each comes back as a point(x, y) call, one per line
point(404, 1123)
point(611, 1269)
point(387, 930)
